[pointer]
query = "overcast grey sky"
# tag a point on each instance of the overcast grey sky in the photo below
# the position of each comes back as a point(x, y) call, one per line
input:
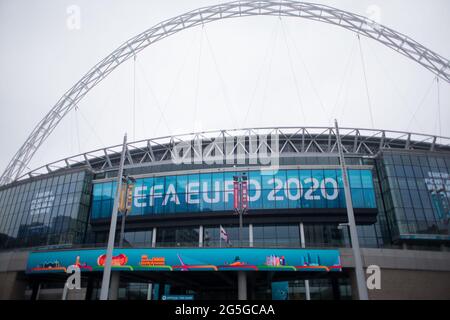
point(255, 71)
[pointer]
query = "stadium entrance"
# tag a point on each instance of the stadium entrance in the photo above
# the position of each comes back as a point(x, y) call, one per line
point(202, 285)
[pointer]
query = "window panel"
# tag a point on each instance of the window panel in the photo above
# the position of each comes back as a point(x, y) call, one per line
point(355, 179)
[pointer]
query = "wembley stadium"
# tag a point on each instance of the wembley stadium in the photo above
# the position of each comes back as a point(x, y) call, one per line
point(398, 181)
point(268, 213)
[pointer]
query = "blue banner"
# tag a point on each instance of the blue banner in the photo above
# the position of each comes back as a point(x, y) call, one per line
point(209, 192)
point(188, 259)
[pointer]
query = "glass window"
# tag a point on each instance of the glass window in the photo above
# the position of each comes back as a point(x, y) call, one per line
point(205, 182)
point(267, 182)
point(182, 183)
point(406, 199)
point(355, 179)
point(177, 237)
point(357, 198)
point(255, 180)
point(366, 179)
point(283, 235)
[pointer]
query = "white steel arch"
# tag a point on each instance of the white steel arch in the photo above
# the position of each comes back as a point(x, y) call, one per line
point(285, 8)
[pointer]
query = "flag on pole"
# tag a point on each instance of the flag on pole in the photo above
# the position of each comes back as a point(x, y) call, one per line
point(224, 235)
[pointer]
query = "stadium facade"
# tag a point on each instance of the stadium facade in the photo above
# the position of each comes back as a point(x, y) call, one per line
point(294, 243)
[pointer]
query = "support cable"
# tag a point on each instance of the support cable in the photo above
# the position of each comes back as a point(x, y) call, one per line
point(260, 73)
point(299, 55)
point(365, 82)
point(187, 51)
point(413, 117)
point(90, 126)
point(228, 104)
point(77, 129)
point(71, 137)
point(347, 89)
point(347, 72)
point(388, 75)
point(146, 82)
point(439, 125)
point(294, 76)
point(197, 85)
point(134, 98)
point(266, 86)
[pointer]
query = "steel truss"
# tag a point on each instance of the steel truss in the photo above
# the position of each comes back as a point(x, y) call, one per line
point(302, 141)
point(356, 23)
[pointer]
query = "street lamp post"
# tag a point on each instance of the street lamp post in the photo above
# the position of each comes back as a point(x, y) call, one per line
point(124, 207)
point(240, 199)
point(359, 271)
point(240, 205)
point(112, 229)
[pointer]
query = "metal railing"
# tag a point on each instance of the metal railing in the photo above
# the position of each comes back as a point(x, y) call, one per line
point(292, 141)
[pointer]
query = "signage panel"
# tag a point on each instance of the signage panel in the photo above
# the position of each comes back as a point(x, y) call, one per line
point(209, 192)
point(188, 259)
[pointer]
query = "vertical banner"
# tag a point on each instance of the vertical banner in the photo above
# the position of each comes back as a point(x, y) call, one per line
point(236, 195)
point(244, 195)
point(129, 202)
point(122, 200)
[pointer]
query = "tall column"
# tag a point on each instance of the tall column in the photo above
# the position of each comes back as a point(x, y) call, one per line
point(154, 237)
point(149, 291)
point(115, 284)
point(250, 235)
point(35, 291)
point(303, 244)
point(302, 235)
point(242, 285)
point(200, 236)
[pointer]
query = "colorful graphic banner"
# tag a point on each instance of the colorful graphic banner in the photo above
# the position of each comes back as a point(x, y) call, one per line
point(188, 259)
